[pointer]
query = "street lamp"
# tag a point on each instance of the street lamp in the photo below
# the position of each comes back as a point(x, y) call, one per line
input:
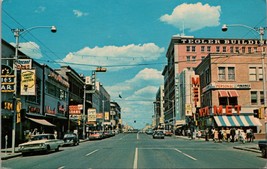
point(17, 33)
point(260, 31)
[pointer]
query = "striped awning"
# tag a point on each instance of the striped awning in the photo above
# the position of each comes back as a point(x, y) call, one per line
point(42, 122)
point(237, 121)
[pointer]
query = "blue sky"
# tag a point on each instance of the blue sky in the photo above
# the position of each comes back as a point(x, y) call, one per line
point(128, 37)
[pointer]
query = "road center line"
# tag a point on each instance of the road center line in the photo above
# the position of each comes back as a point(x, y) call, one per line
point(91, 153)
point(135, 158)
point(185, 154)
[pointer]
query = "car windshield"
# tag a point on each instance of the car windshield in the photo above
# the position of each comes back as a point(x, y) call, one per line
point(39, 137)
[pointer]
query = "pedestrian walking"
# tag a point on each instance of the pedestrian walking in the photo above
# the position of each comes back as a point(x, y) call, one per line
point(220, 135)
point(232, 132)
point(207, 134)
point(216, 135)
point(227, 134)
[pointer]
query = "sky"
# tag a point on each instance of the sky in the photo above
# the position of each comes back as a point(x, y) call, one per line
point(128, 37)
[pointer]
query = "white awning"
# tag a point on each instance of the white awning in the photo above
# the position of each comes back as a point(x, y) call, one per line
point(42, 122)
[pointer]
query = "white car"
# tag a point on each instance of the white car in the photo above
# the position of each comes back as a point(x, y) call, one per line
point(41, 143)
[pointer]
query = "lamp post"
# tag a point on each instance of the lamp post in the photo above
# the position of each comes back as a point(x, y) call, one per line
point(17, 33)
point(260, 31)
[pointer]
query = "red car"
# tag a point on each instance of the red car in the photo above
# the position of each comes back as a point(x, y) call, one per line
point(96, 135)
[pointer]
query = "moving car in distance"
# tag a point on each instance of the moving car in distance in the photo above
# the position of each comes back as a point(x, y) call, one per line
point(158, 134)
point(149, 131)
point(40, 143)
point(168, 133)
point(71, 139)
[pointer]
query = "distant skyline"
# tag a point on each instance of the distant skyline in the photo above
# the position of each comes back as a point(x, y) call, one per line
point(128, 37)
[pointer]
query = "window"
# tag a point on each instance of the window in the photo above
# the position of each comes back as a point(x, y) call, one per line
point(202, 48)
point(260, 73)
point(188, 58)
point(243, 50)
point(262, 97)
point(236, 49)
point(249, 50)
point(255, 49)
point(224, 49)
point(188, 48)
point(232, 101)
point(37, 97)
point(221, 73)
point(232, 49)
point(217, 48)
point(231, 73)
point(208, 48)
point(193, 48)
point(253, 97)
point(193, 58)
point(223, 101)
point(252, 74)
point(202, 58)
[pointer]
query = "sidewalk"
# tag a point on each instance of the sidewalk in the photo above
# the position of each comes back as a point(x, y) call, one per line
point(248, 146)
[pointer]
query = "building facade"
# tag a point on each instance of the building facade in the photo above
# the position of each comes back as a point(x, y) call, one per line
point(187, 52)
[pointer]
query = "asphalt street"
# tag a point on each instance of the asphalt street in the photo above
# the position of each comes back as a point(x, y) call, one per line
point(141, 151)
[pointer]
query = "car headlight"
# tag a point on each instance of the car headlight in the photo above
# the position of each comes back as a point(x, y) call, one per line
point(42, 145)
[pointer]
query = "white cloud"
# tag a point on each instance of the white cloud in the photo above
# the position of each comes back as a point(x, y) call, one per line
point(79, 13)
point(120, 57)
point(193, 16)
point(31, 49)
point(40, 9)
point(138, 95)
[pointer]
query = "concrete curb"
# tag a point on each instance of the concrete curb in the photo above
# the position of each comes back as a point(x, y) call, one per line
point(252, 149)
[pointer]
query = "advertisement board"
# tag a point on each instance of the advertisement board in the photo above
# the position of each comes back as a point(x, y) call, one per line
point(91, 112)
point(27, 84)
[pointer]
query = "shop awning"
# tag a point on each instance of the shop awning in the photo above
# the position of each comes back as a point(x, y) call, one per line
point(232, 93)
point(237, 121)
point(223, 93)
point(42, 122)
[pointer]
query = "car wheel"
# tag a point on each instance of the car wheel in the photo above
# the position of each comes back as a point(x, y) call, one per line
point(57, 149)
point(264, 152)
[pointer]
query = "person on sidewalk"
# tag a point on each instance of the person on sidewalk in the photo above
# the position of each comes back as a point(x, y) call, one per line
point(232, 132)
point(207, 134)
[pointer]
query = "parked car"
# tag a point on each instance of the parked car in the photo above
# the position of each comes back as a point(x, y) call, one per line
point(40, 143)
point(168, 133)
point(96, 135)
point(158, 134)
point(71, 139)
point(263, 147)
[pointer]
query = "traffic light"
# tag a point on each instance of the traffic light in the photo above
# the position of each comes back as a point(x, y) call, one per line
point(256, 113)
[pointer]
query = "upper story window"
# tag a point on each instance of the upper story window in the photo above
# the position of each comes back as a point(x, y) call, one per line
point(255, 49)
point(237, 49)
point(255, 73)
point(249, 50)
point(243, 49)
point(193, 58)
point(232, 49)
point(217, 48)
point(221, 73)
point(193, 48)
point(187, 58)
point(224, 49)
point(231, 73)
point(208, 48)
point(226, 73)
point(188, 48)
point(202, 48)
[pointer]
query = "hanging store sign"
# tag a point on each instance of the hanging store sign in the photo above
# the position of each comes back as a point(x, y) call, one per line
point(27, 84)
point(195, 88)
point(7, 79)
point(74, 110)
point(24, 64)
point(91, 112)
point(226, 86)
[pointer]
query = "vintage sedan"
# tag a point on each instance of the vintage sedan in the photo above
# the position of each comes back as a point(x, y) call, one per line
point(158, 134)
point(40, 143)
point(96, 135)
point(71, 139)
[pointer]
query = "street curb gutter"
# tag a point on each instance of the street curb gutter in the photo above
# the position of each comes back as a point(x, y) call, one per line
point(10, 156)
point(247, 149)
